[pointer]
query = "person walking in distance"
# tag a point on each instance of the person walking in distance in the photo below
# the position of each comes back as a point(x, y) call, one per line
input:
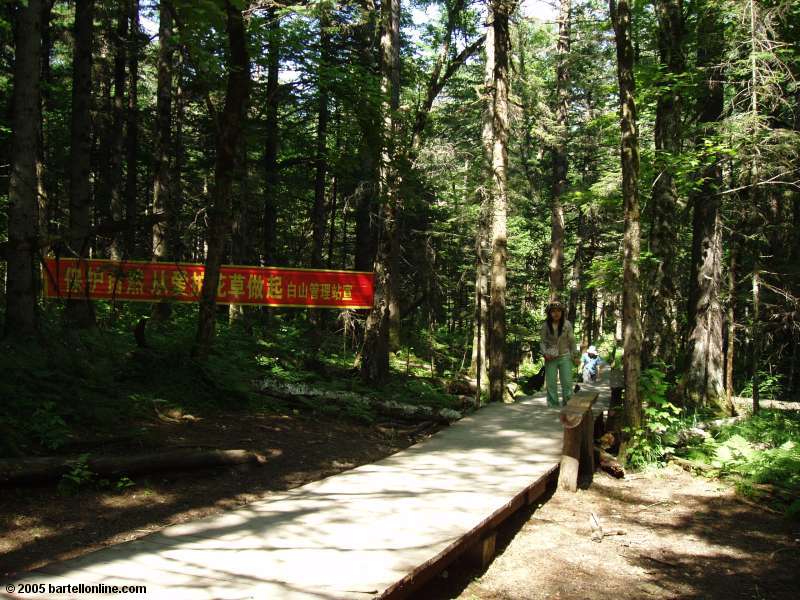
point(560, 353)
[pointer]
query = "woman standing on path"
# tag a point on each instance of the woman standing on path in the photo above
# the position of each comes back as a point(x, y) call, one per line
point(560, 353)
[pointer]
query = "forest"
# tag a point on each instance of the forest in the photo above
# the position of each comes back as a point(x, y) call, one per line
point(636, 160)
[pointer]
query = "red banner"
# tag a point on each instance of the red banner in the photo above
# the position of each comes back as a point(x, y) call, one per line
point(181, 282)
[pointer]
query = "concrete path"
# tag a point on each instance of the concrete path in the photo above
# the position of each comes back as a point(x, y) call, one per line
point(363, 533)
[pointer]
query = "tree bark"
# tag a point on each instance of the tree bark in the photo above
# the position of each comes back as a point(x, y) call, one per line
point(132, 131)
point(20, 315)
point(660, 341)
point(375, 364)
point(560, 152)
point(501, 12)
point(116, 134)
point(704, 376)
point(80, 311)
point(162, 203)
point(631, 300)
point(228, 140)
point(271, 170)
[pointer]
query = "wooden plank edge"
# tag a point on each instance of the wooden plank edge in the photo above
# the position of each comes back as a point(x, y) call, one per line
point(422, 574)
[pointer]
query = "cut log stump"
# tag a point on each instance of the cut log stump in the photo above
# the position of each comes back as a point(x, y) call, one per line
point(577, 454)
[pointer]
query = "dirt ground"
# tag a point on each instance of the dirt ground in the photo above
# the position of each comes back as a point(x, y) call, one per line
point(665, 535)
point(40, 524)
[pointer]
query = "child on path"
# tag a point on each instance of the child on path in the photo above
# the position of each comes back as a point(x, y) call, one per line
point(591, 365)
point(560, 352)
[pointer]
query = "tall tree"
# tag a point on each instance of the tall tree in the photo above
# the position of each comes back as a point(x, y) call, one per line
point(704, 373)
point(483, 257)
point(162, 203)
point(664, 204)
point(560, 152)
point(271, 141)
point(80, 310)
point(22, 203)
point(229, 134)
point(116, 134)
point(629, 153)
point(375, 363)
point(501, 10)
point(132, 207)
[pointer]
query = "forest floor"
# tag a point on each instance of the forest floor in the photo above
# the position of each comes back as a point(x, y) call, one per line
point(666, 534)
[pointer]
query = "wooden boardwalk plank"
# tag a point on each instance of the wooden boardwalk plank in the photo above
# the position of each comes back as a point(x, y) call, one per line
point(374, 531)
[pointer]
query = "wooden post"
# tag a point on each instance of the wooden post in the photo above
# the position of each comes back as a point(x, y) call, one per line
point(578, 447)
point(482, 553)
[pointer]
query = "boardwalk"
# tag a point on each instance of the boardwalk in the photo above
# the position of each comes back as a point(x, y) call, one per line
point(365, 533)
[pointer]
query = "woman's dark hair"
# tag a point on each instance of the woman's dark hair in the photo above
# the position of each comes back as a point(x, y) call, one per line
point(560, 321)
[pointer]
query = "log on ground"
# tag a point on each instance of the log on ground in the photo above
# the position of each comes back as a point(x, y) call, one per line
point(31, 470)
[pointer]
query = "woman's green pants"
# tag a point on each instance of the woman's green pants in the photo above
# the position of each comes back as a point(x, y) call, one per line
point(559, 368)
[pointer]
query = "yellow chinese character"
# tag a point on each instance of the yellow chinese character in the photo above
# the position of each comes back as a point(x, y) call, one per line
point(159, 285)
point(221, 286)
point(237, 285)
point(302, 290)
point(325, 291)
point(314, 289)
point(72, 280)
point(347, 292)
point(255, 287)
point(275, 287)
point(95, 278)
point(336, 291)
point(136, 282)
point(115, 281)
point(197, 281)
point(179, 280)
point(291, 290)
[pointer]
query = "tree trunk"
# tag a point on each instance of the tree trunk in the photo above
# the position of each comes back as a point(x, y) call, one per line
point(478, 364)
point(132, 133)
point(631, 301)
point(321, 160)
point(80, 311)
point(375, 365)
point(271, 171)
point(560, 152)
point(116, 249)
point(756, 352)
point(22, 203)
point(483, 256)
point(228, 140)
point(501, 12)
point(44, 201)
point(162, 203)
point(704, 377)
point(660, 339)
point(731, 347)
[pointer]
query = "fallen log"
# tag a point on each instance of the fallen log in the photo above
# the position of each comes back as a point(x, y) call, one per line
point(609, 463)
point(302, 392)
point(31, 470)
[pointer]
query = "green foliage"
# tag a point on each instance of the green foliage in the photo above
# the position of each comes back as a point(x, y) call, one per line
point(79, 476)
point(661, 419)
point(770, 386)
point(764, 449)
point(48, 426)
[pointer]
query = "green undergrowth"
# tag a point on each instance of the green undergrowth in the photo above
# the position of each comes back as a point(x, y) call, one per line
point(69, 388)
point(760, 456)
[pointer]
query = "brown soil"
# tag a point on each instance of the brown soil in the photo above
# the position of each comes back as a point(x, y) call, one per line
point(667, 535)
point(41, 524)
